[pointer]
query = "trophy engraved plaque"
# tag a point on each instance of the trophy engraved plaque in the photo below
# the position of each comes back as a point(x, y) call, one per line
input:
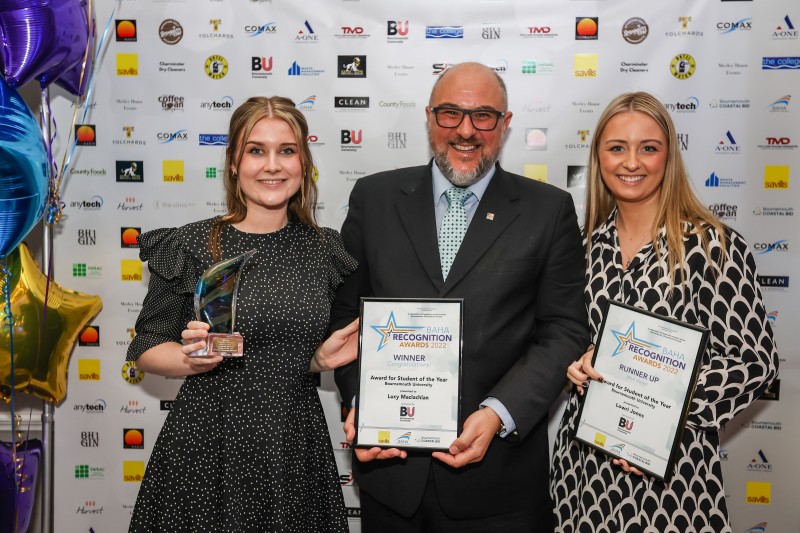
point(215, 304)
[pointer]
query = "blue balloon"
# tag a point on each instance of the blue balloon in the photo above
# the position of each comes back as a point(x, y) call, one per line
point(23, 170)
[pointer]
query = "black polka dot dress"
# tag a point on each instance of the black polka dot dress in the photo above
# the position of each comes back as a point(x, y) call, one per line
point(246, 447)
point(590, 493)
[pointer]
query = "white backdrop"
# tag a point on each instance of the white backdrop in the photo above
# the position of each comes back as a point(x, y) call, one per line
point(154, 104)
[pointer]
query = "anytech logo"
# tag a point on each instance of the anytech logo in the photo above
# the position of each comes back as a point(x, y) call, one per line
point(391, 328)
point(626, 341)
point(89, 336)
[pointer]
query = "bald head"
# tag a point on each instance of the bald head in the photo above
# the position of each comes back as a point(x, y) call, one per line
point(470, 71)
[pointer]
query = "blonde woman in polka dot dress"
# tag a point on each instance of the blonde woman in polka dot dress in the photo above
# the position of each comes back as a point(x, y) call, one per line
point(246, 447)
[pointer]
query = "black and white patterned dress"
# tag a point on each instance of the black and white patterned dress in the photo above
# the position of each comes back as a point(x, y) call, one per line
point(246, 447)
point(590, 493)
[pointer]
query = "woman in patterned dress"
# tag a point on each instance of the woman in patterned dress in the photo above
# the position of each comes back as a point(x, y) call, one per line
point(650, 243)
point(246, 447)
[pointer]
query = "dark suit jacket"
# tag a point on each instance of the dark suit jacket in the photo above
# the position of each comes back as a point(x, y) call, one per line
point(521, 274)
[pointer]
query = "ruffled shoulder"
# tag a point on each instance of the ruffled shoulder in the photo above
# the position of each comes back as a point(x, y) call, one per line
point(168, 255)
point(341, 263)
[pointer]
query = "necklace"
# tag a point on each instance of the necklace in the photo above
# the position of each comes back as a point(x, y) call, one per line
point(632, 253)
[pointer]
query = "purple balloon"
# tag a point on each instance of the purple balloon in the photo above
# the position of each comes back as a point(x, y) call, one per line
point(23, 170)
point(17, 506)
point(42, 39)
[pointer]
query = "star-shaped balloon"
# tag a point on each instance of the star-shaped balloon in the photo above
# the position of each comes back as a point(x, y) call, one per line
point(43, 341)
point(43, 39)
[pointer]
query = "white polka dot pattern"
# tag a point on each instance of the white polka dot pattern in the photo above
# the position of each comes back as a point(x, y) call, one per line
point(454, 227)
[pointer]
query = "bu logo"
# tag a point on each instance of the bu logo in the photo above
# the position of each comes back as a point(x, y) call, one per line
point(262, 63)
point(396, 28)
point(407, 411)
point(625, 423)
point(351, 136)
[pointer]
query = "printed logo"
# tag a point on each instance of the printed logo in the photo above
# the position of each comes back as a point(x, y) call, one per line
point(170, 31)
point(586, 28)
point(625, 425)
point(600, 440)
point(223, 104)
point(627, 341)
point(761, 527)
point(133, 438)
point(89, 369)
point(129, 237)
point(682, 66)
point(351, 102)
point(168, 137)
point(95, 203)
point(351, 140)
point(89, 336)
point(297, 70)
point(405, 438)
point(171, 102)
point(126, 30)
point(130, 171)
point(773, 392)
point(684, 30)
point(127, 64)
point(216, 33)
point(85, 135)
point(213, 139)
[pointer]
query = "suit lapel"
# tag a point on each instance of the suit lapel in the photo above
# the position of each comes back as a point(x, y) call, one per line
point(417, 215)
point(497, 209)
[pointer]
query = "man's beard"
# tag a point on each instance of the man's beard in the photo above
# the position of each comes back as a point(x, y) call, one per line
point(463, 179)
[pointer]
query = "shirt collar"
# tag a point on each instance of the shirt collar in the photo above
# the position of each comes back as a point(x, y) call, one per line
point(441, 184)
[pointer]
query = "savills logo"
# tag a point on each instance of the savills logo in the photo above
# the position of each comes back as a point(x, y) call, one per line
point(89, 369)
point(130, 269)
point(132, 471)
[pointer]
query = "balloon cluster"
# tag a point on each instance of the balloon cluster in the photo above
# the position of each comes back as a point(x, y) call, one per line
point(47, 41)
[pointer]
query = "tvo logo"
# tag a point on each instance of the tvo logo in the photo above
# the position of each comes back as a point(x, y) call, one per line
point(351, 136)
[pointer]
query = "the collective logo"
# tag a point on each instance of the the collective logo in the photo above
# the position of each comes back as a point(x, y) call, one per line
point(170, 31)
point(131, 373)
point(171, 102)
point(744, 24)
point(714, 180)
point(126, 30)
point(635, 30)
point(682, 66)
point(576, 176)
point(396, 31)
point(781, 105)
point(352, 66)
point(133, 438)
point(536, 139)
point(585, 65)
point(490, 31)
point(544, 31)
point(173, 170)
point(586, 28)
point(97, 407)
point(444, 32)
point(89, 369)
point(261, 67)
point(690, 105)
point(89, 336)
point(216, 67)
point(727, 145)
point(759, 463)
point(306, 34)
point(213, 139)
point(127, 64)
point(223, 104)
point(776, 176)
point(724, 211)
point(769, 247)
point(85, 135)
point(165, 137)
point(780, 63)
point(216, 31)
point(129, 237)
point(785, 30)
point(95, 203)
point(268, 28)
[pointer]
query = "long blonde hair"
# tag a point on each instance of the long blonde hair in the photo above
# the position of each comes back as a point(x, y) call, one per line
point(302, 204)
point(678, 203)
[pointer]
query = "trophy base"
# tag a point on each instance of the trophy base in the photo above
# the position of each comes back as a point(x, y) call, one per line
point(224, 344)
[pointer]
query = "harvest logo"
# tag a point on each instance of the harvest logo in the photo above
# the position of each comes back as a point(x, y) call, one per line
point(127, 64)
point(172, 170)
point(90, 336)
point(776, 177)
point(89, 369)
point(132, 471)
point(130, 269)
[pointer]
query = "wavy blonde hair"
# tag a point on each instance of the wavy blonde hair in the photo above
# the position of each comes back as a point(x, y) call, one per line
point(302, 204)
point(678, 203)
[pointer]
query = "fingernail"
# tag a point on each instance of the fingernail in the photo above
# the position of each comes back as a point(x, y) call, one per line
point(585, 384)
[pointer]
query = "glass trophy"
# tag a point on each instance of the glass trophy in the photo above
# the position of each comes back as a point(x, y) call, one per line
point(215, 304)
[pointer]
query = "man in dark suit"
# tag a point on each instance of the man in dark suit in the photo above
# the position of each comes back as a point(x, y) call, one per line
point(520, 271)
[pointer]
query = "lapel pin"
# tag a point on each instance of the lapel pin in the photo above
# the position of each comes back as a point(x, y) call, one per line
point(489, 216)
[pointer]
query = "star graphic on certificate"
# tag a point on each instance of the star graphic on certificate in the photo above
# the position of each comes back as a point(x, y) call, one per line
point(629, 337)
point(390, 328)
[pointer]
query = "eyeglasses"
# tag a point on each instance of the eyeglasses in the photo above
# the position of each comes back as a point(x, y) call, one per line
point(451, 117)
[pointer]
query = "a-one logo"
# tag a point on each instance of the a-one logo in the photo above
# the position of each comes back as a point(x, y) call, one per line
point(586, 28)
point(727, 145)
point(85, 135)
point(785, 30)
point(635, 30)
point(126, 30)
point(306, 34)
point(216, 67)
point(759, 463)
point(131, 373)
point(682, 66)
point(170, 31)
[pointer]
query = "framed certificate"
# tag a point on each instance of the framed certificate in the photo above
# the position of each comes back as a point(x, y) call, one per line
point(409, 390)
point(650, 365)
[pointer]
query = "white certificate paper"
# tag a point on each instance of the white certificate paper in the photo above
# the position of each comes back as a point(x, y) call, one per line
point(409, 373)
point(650, 367)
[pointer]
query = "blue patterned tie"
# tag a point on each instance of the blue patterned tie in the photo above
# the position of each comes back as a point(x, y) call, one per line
point(454, 226)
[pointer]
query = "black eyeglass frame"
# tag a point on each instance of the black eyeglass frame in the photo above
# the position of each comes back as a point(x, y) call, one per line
point(467, 112)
